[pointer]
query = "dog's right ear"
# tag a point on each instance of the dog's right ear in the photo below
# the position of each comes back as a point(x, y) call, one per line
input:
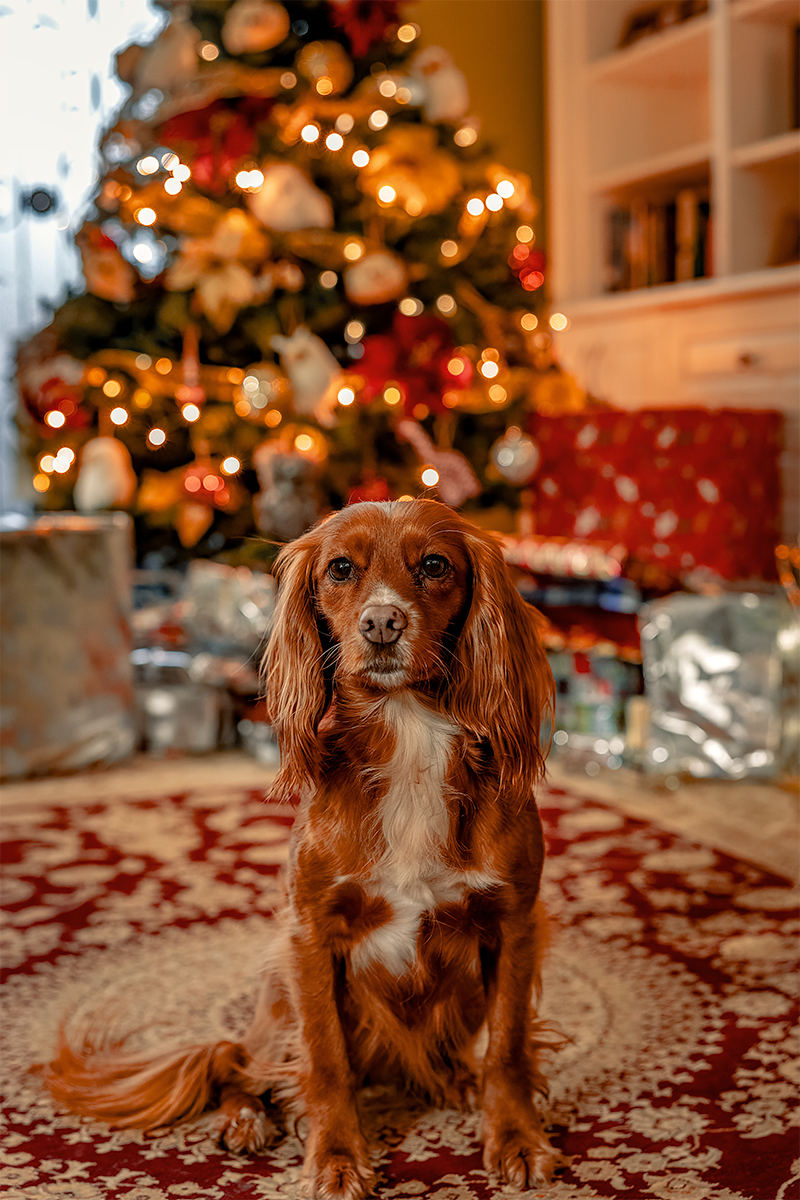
point(293, 666)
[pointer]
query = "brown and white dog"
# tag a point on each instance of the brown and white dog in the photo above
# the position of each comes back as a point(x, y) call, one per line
point(407, 685)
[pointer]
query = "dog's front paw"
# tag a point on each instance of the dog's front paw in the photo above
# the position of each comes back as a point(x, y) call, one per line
point(522, 1158)
point(243, 1125)
point(338, 1175)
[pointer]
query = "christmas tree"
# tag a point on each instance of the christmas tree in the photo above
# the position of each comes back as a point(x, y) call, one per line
point(308, 282)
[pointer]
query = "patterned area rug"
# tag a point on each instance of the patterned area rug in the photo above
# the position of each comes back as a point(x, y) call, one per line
point(671, 969)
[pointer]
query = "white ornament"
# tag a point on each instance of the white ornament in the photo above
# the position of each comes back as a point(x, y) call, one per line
point(62, 367)
point(171, 61)
point(106, 478)
point(516, 456)
point(314, 373)
point(287, 200)
point(445, 87)
point(376, 278)
point(252, 26)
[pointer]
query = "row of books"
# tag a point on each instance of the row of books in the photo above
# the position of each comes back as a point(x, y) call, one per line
point(649, 244)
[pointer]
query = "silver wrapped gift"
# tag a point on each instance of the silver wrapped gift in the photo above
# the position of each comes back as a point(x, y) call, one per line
point(177, 710)
point(67, 686)
point(178, 717)
point(225, 608)
point(721, 678)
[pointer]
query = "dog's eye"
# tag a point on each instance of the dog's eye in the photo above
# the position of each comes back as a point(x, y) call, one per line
point(434, 566)
point(340, 569)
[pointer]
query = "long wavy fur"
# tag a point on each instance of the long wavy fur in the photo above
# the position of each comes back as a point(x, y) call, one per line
point(502, 687)
point(294, 668)
point(137, 1090)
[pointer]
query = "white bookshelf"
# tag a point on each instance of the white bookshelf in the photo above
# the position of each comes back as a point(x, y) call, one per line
point(705, 105)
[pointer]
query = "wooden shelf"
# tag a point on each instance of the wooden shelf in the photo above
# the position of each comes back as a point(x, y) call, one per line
point(676, 55)
point(667, 168)
point(776, 12)
point(768, 150)
point(694, 292)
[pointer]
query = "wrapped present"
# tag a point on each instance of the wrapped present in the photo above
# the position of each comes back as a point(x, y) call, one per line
point(155, 596)
point(65, 673)
point(175, 717)
point(565, 557)
point(226, 608)
point(675, 489)
point(197, 656)
point(178, 709)
point(721, 678)
point(591, 692)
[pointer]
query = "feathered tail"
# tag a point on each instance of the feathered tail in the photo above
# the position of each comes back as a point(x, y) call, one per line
point(146, 1092)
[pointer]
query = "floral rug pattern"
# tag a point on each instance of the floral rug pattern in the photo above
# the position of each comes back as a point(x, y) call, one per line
point(672, 968)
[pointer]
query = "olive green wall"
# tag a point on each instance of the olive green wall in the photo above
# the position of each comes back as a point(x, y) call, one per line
point(499, 45)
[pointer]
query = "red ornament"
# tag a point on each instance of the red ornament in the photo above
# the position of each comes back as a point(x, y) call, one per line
point(528, 265)
point(54, 394)
point(364, 21)
point(370, 487)
point(203, 485)
point(215, 139)
point(415, 357)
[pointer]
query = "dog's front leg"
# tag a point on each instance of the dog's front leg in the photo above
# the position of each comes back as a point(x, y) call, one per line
point(515, 1144)
point(337, 1162)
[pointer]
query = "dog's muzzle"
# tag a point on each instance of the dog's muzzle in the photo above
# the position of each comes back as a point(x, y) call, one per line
point(382, 624)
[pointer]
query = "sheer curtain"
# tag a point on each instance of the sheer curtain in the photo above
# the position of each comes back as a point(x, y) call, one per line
point(58, 90)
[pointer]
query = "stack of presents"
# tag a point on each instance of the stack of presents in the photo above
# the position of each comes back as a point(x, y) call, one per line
point(651, 551)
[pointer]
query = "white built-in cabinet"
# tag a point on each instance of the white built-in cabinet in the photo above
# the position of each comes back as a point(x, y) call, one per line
point(704, 107)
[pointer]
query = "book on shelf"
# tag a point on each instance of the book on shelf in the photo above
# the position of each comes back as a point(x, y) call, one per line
point(651, 244)
point(794, 78)
point(654, 18)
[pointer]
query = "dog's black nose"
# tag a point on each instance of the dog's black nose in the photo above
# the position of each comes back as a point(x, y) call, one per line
point(382, 623)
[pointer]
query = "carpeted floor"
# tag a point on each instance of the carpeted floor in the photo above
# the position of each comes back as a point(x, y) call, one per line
point(671, 969)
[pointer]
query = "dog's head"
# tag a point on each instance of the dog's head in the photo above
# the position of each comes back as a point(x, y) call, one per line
point(386, 596)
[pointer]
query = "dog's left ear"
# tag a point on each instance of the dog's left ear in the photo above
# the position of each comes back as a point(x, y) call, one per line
point(502, 685)
point(293, 666)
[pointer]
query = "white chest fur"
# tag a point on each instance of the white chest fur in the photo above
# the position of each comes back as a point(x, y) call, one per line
point(414, 822)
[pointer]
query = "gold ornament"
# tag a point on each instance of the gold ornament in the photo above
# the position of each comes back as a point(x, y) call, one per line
point(263, 396)
point(187, 212)
point(327, 66)
point(323, 247)
point(192, 521)
point(521, 199)
point(215, 267)
point(159, 491)
point(424, 178)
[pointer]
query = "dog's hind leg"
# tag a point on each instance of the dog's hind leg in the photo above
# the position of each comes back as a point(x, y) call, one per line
point(268, 1047)
point(243, 1124)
